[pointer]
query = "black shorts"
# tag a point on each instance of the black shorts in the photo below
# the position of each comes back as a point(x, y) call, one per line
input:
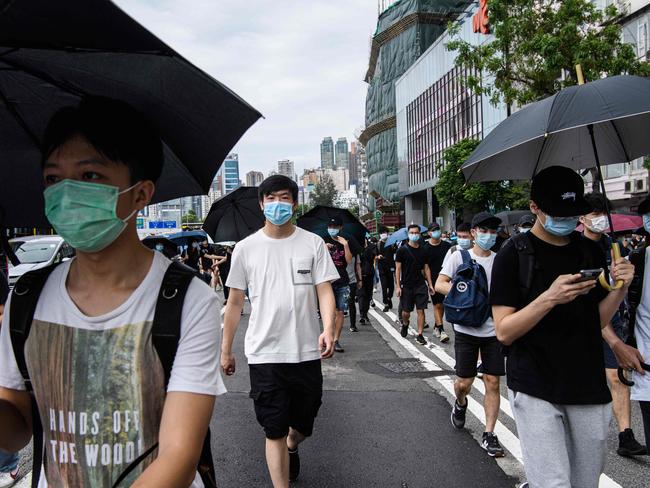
point(437, 298)
point(417, 297)
point(467, 348)
point(286, 395)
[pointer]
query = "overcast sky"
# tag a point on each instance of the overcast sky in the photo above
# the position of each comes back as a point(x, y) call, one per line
point(299, 62)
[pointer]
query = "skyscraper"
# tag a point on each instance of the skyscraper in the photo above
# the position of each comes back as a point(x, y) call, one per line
point(286, 168)
point(231, 173)
point(354, 164)
point(342, 156)
point(327, 153)
point(254, 178)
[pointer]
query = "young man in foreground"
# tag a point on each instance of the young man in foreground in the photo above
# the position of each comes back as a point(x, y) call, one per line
point(288, 273)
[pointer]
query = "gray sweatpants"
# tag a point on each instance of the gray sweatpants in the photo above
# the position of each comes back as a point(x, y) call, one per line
point(564, 446)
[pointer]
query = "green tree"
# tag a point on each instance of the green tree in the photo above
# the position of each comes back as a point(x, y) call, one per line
point(190, 217)
point(453, 192)
point(325, 192)
point(354, 210)
point(537, 45)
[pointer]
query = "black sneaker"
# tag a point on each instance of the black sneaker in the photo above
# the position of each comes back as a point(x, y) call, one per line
point(372, 303)
point(426, 326)
point(421, 340)
point(458, 415)
point(337, 347)
point(629, 446)
point(294, 464)
point(386, 308)
point(491, 444)
point(404, 331)
point(353, 328)
point(362, 321)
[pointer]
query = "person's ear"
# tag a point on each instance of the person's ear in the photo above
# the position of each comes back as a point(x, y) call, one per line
point(582, 219)
point(143, 193)
point(534, 208)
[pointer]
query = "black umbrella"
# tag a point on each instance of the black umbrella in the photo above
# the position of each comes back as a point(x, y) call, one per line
point(53, 53)
point(317, 219)
point(170, 249)
point(235, 216)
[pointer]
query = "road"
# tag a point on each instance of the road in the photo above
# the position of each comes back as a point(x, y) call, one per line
point(385, 423)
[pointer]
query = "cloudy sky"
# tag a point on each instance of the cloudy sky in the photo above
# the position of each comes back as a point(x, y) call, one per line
point(299, 62)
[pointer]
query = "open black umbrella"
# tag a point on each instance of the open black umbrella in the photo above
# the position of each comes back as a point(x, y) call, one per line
point(235, 216)
point(317, 219)
point(53, 53)
point(170, 249)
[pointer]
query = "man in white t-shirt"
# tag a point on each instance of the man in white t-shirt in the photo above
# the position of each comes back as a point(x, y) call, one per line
point(96, 375)
point(288, 272)
point(470, 341)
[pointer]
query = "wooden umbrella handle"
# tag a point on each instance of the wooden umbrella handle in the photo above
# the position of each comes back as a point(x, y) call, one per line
point(603, 278)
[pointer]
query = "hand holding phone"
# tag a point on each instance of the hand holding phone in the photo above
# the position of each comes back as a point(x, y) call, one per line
point(589, 274)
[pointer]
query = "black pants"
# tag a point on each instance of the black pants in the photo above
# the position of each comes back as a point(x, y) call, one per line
point(352, 304)
point(645, 414)
point(365, 295)
point(387, 280)
point(224, 277)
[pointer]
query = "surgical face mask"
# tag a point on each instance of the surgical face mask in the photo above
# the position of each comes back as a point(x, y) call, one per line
point(436, 234)
point(383, 237)
point(646, 222)
point(523, 230)
point(464, 243)
point(414, 237)
point(84, 214)
point(598, 224)
point(278, 213)
point(485, 240)
point(333, 232)
point(159, 247)
point(560, 226)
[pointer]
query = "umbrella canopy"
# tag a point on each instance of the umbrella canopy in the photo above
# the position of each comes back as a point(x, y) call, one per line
point(511, 217)
point(622, 223)
point(54, 53)
point(235, 216)
point(185, 238)
point(317, 219)
point(400, 235)
point(606, 119)
point(170, 248)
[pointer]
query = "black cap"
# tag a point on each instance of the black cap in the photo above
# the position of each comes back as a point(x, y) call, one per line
point(434, 226)
point(487, 220)
point(644, 206)
point(559, 192)
point(527, 220)
point(335, 222)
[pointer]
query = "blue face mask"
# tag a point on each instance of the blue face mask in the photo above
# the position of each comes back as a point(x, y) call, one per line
point(646, 222)
point(333, 232)
point(160, 247)
point(464, 243)
point(436, 234)
point(560, 226)
point(414, 237)
point(485, 240)
point(278, 213)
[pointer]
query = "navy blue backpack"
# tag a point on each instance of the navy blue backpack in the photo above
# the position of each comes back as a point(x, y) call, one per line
point(468, 301)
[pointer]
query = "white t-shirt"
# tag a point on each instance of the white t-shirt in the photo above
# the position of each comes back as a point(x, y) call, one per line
point(281, 277)
point(641, 388)
point(98, 381)
point(449, 267)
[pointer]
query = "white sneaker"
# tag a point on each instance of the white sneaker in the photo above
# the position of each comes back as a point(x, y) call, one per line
point(443, 336)
point(8, 479)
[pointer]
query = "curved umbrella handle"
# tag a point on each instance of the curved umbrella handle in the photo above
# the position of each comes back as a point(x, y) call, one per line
point(623, 379)
point(603, 280)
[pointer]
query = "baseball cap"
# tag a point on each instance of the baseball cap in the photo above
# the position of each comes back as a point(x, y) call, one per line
point(487, 220)
point(335, 222)
point(559, 192)
point(527, 220)
point(434, 226)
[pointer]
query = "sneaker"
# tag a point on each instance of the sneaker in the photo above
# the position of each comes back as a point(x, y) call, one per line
point(426, 326)
point(421, 340)
point(294, 464)
point(363, 321)
point(8, 479)
point(372, 303)
point(491, 444)
point(386, 308)
point(436, 331)
point(458, 415)
point(404, 331)
point(629, 446)
point(443, 336)
point(524, 485)
point(337, 347)
point(353, 328)
point(346, 313)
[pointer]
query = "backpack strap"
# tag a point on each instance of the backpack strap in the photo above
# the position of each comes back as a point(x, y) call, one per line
point(467, 258)
point(635, 291)
point(24, 300)
point(526, 260)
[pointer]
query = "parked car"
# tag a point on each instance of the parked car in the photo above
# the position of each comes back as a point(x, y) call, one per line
point(35, 252)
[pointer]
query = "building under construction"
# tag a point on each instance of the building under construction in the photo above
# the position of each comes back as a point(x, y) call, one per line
point(405, 29)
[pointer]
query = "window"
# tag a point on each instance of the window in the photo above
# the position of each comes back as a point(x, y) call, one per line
point(642, 39)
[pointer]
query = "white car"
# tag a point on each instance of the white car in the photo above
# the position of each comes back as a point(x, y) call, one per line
point(35, 252)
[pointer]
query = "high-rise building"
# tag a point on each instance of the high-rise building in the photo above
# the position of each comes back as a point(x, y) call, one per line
point(254, 178)
point(353, 163)
point(342, 156)
point(287, 168)
point(231, 173)
point(327, 153)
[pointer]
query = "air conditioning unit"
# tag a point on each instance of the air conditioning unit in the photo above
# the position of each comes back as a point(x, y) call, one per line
point(638, 185)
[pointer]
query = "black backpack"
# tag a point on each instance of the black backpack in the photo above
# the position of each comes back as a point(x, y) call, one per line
point(165, 336)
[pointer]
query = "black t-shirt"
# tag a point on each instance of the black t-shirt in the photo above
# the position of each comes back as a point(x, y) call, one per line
point(560, 360)
point(224, 266)
point(206, 262)
point(192, 255)
point(413, 260)
point(435, 256)
point(337, 252)
point(368, 260)
point(388, 262)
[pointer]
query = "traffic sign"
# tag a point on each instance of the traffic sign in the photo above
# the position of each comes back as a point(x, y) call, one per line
point(162, 224)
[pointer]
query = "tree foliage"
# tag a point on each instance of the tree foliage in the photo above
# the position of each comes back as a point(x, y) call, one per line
point(325, 192)
point(190, 217)
point(537, 45)
point(452, 191)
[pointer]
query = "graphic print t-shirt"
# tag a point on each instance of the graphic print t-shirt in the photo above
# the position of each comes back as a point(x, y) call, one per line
point(337, 252)
point(98, 381)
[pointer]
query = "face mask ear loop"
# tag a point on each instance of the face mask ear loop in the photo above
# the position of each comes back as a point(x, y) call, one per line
point(126, 191)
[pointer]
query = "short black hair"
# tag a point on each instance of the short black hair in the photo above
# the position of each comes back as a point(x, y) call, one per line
point(277, 183)
point(115, 129)
point(464, 227)
point(597, 202)
point(413, 226)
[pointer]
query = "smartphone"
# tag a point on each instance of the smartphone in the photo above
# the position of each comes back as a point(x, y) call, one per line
point(589, 274)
